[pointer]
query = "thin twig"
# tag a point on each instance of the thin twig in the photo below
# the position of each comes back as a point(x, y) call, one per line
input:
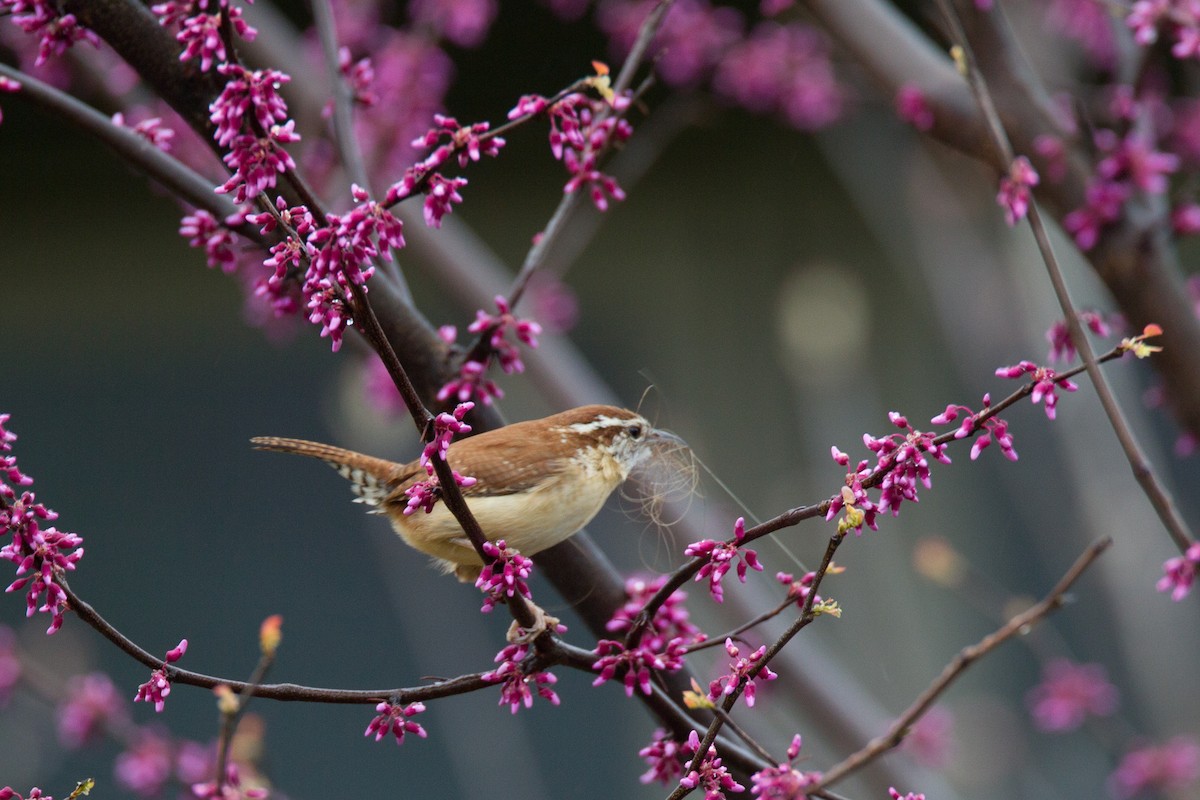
point(1143, 471)
point(967, 656)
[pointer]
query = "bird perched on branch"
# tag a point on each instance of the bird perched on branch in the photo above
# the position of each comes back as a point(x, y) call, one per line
point(536, 483)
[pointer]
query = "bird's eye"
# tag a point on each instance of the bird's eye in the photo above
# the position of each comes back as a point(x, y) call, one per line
point(635, 432)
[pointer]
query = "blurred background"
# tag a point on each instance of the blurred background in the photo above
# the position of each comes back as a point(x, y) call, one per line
point(763, 292)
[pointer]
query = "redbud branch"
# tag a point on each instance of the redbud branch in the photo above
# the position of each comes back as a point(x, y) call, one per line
point(715, 641)
point(802, 621)
point(133, 149)
point(271, 691)
point(554, 228)
point(742, 734)
point(1143, 471)
point(965, 658)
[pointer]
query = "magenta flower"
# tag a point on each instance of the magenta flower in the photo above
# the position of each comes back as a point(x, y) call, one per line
point(1068, 694)
point(496, 328)
point(895, 795)
point(220, 244)
point(798, 590)
point(930, 740)
point(1103, 205)
point(253, 93)
point(258, 161)
point(44, 553)
point(636, 663)
point(1015, 189)
point(671, 620)
point(445, 428)
point(150, 129)
point(505, 577)
point(783, 69)
point(1162, 769)
point(665, 757)
point(7, 793)
point(1180, 572)
point(1062, 349)
point(904, 457)
point(471, 382)
point(425, 494)
point(1046, 383)
point(913, 107)
point(395, 719)
point(992, 427)
point(91, 705)
point(144, 767)
point(784, 782)
point(743, 669)
point(463, 22)
point(158, 687)
point(720, 556)
point(519, 687)
point(231, 789)
point(711, 775)
point(1133, 160)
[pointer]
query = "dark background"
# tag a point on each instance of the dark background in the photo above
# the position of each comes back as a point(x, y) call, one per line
point(779, 293)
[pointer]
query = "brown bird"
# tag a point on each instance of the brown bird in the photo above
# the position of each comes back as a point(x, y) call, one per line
point(537, 482)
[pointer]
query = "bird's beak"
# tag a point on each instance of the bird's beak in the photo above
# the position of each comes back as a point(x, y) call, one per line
point(665, 437)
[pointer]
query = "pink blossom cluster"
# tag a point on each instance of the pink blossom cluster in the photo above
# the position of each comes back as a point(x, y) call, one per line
point(334, 256)
point(905, 456)
point(158, 687)
point(913, 107)
point(1046, 383)
point(1062, 349)
point(1015, 190)
point(92, 704)
point(445, 427)
point(220, 244)
point(505, 576)
point(199, 23)
point(463, 22)
point(463, 143)
point(519, 687)
point(582, 128)
point(637, 664)
point(1163, 769)
point(1179, 573)
point(7, 793)
point(798, 590)
point(249, 96)
point(743, 672)
point(395, 719)
point(784, 781)
point(1068, 694)
point(783, 69)
point(776, 67)
point(56, 32)
point(710, 775)
point(664, 755)
point(671, 620)
point(903, 459)
point(992, 428)
point(425, 494)
point(471, 380)
point(151, 129)
point(720, 556)
point(229, 789)
point(41, 554)
point(1180, 18)
point(1129, 164)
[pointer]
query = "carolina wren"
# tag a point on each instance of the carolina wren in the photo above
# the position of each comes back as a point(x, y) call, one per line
point(537, 482)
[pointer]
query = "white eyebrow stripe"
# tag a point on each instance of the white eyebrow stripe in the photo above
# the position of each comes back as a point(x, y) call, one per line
point(602, 421)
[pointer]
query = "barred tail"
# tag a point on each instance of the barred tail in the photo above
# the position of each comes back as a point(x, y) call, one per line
point(370, 478)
